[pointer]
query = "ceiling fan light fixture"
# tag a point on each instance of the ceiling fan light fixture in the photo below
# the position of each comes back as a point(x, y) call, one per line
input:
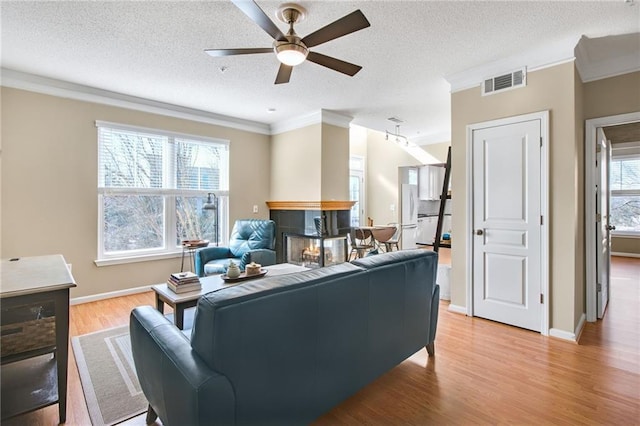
point(291, 54)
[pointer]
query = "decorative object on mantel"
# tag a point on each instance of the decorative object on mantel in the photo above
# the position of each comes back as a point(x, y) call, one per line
point(212, 204)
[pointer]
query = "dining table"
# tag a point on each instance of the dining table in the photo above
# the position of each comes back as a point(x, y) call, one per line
point(380, 234)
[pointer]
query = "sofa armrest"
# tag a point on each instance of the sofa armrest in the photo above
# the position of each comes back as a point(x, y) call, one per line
point(179, 385)
point(207, 254)
point(264, 257)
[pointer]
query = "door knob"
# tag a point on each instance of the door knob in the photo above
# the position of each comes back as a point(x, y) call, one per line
point(479, 232)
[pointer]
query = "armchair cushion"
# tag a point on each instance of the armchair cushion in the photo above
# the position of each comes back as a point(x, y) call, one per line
point(252, 234)
point(252, 240)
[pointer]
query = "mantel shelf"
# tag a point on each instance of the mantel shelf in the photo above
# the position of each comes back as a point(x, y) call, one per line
point(310, 205)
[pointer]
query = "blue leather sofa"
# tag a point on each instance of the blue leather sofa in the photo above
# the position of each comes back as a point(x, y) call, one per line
point(285, 349)
point(251, 240)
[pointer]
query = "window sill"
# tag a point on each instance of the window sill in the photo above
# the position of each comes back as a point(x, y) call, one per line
point(134, 259)
point(623, 234)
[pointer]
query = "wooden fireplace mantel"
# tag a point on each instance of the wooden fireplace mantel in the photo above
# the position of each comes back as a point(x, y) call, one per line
point(310, 205)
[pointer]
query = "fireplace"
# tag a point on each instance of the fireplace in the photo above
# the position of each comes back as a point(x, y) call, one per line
point(310, 219)
point(314, 251)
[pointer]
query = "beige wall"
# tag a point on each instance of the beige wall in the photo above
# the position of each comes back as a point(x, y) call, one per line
point(49, 183)
point(358, 141)
point(612, 96)
point(335, 163)
point(295, 165)
point(625, 245)
point(383, 159)
point(550, 89)
point(310, 164)
point(437, 150)
point(608, 97)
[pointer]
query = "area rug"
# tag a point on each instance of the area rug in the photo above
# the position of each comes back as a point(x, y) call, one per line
point(108, 376)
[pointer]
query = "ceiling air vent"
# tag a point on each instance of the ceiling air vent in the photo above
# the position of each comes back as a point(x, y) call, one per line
point(499, 83)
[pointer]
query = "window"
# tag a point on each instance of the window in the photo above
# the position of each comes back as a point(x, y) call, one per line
point(356, 188)
point(151, 189)
point(625, 194)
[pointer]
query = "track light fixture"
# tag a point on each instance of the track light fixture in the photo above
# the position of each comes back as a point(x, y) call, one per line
point(398, 137)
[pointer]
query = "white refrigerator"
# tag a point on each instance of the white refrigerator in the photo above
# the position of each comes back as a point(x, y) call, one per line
point(409, 215)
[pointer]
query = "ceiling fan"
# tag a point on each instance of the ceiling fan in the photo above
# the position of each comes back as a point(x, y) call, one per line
point(292, 50)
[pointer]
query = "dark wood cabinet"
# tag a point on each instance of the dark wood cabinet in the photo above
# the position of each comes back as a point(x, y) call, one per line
point(34, 323)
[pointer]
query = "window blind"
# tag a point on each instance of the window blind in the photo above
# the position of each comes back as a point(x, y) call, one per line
point(625, 173)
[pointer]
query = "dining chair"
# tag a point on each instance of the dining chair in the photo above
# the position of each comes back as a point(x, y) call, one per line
point(394, 241)
point(361, 241)
point(382, 235)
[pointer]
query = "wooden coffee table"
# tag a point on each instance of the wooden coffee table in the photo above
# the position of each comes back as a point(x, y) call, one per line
point(181, 301)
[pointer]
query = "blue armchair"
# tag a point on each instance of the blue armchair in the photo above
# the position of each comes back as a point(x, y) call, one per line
point(251, 240)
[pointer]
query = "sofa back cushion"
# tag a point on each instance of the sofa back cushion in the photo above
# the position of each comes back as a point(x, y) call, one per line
point(252, 234)
point(295, 345)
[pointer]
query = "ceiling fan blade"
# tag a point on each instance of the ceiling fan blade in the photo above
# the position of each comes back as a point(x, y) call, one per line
point(284, 74)
point(334, 64)
point(348, 24)
point(230, 52)
point(253, 11)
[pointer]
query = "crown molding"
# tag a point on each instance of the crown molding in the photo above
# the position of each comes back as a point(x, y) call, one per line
point(317, 117)
point(551, 55)
point(606, 57)
point(64, 89)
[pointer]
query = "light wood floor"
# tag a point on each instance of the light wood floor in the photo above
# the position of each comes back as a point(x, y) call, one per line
point(483, 372)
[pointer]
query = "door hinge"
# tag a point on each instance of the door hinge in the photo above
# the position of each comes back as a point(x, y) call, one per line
point(598, 287)
point(598, 217)
point(540, 140)
point(541, 220)
point(541, 298)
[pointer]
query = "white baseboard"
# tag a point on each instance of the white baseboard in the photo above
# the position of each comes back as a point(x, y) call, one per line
point(565, 335)
point(615, 253)
point(109, 295)
point(580, 326)
point(458, 309)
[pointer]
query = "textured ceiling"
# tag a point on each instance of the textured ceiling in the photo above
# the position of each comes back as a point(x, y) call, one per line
point(154, 50)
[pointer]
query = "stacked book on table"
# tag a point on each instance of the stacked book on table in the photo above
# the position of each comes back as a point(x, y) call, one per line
point(183, 282)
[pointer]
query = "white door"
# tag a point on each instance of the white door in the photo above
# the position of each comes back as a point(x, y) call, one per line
point(507, 224)
point(603, 229)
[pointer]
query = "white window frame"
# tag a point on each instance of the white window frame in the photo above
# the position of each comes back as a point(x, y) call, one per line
point(623, 192)
point(357, 169)
point(169, 195)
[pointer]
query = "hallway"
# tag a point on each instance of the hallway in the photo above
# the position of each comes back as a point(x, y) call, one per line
point(618, 333)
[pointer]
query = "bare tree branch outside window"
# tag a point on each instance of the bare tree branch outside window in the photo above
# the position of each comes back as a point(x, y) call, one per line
point(145, 177)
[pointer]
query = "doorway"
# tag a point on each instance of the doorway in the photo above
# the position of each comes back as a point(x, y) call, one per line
point(356, 189)
point(594, 245)
point(508, 201)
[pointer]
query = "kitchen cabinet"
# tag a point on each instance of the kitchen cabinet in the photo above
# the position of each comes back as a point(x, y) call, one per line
point(430, 181)
point(427, 229)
